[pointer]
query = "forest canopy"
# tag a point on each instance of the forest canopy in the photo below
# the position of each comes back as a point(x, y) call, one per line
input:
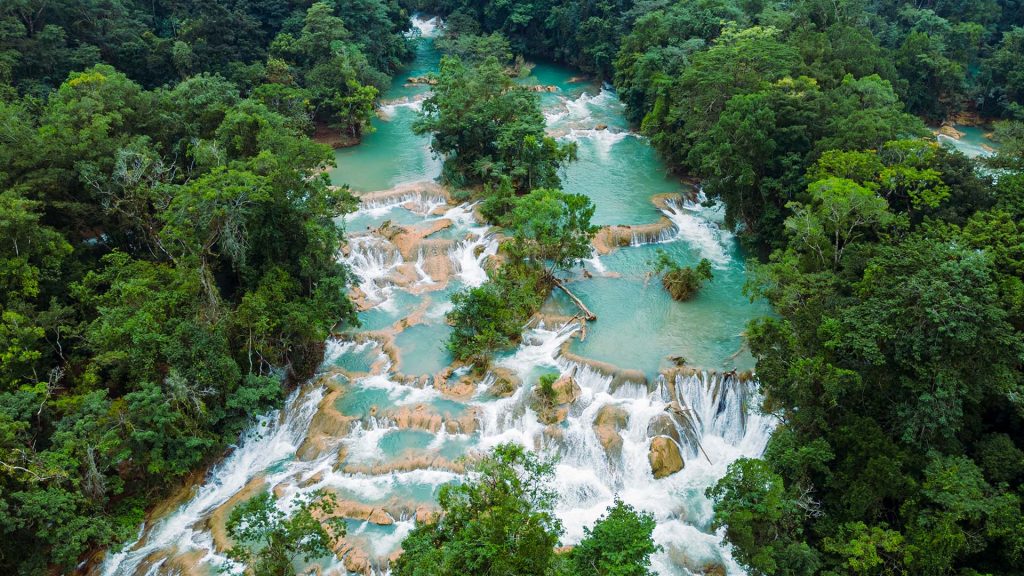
point(894, 359)
point(168, 264)
point(168, 253)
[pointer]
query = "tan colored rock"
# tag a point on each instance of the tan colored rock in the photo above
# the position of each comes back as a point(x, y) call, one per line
point(663, 425)
point(949, 130)
point(461, 388)
point(217, 523)
point(281, 489)
point(425, 514)
point(609, 421)
point(314, 479)
point(664, 457)
point(416, 417)
point(358, 511)
point(326, 428)
point(506, 382)
point(567, 390)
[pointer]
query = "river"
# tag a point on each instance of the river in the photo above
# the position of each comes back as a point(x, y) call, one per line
point(385, 423)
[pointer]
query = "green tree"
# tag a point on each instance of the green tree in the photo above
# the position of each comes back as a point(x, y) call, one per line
point(552, 227)
point(500, 521)
point(487, 129)
point(841, 212)
point(681, 282)
point(619, 544)
point(762, 520)
point(268, 542)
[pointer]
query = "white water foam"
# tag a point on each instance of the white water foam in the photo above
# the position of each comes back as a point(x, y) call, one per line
point(692, 226)
point(272, 440)
point(469, 256)
point(425, 26)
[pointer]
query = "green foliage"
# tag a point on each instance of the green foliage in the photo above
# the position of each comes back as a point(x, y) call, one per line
point(893, 265)
point(488, 130)
point(552, 227)
point(619, 544)
point(762, 520)
point(500, 521)
point(169, 263)
point(682, 282)
point(268, 542)
point(545, 389)
point(491, 317)
point(548, 228)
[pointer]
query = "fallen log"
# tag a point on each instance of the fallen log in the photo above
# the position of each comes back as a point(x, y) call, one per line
point(586, 311)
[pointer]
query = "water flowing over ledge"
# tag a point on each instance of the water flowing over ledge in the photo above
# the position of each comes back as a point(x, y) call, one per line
point(391, 418)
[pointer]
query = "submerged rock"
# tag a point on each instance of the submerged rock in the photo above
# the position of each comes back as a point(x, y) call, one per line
point(664, 457)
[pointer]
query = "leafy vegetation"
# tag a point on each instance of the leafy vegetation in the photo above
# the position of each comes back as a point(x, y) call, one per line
point(169, 256)
point(501, 521)
point(896, 357)
point(488, 129)
point(682, 282)
point(268, 542)
point(550, 230)
point(168, 259)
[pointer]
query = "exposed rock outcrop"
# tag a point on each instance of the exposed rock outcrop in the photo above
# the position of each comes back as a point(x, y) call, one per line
point(664, 457)
point(610, 420)
point(506, 382)
point(663, 425)
point(949, 130)
point(567, 390)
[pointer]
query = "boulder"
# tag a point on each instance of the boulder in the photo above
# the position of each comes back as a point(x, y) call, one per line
point(664, 457)
point(609, 421)
point(663, 425)
point(601, 127)
point(949, 130)
point(506, 382)
point(567, 390)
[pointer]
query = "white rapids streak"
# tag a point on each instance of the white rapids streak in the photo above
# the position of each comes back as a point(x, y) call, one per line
point(469, 256)
point(273, 438)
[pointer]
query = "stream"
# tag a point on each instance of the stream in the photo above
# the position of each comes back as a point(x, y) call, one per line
point(386, 422)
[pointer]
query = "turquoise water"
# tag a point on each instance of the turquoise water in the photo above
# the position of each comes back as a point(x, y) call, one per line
point(361, 402)
point(974, 142)
point(392, 154)
point(423, 349)
point(638, 327)
point(357, 360)
point(361, 222)
point(620, 188)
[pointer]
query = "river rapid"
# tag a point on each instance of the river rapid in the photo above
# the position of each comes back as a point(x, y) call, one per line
point(388, 420)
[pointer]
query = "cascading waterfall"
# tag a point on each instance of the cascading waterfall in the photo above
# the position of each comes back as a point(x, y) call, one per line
point(272, 440)
point(470, 254)
point(692, 226)
point(384, 441)
point(372, 261)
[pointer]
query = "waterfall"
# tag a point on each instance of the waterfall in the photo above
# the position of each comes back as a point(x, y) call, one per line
point(273, 439)
point(469, 256)
point(372, 260)
point(384, 443)
point(425, 26)
point(695, 228)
